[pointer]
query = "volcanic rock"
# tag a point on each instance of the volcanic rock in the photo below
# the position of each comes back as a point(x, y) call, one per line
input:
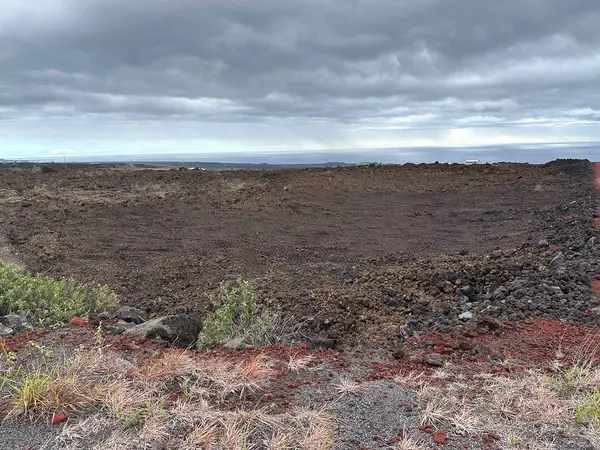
point(434, 359)
point(131, 314)
point(180, 330)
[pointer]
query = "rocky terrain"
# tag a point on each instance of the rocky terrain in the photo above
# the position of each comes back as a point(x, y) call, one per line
point(440, 306)
point(365, 255)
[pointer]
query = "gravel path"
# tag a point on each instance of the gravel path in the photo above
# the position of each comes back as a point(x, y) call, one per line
point(27, 436)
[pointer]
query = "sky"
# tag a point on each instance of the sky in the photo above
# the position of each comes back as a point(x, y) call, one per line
point(82, 78)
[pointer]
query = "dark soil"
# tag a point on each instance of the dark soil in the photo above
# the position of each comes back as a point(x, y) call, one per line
point(371, 255)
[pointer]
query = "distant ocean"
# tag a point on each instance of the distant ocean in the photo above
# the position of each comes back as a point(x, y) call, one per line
point(531, 153)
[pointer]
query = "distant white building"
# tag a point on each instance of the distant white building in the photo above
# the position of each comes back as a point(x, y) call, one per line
point(470, 162)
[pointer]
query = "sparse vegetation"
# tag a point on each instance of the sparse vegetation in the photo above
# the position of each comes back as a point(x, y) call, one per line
point(240, 315)
point(587, 411)
point(347, 385)
point(44, 390)
point(50, 300)
point(176, 399)
point(409, 442)
point(513, 406)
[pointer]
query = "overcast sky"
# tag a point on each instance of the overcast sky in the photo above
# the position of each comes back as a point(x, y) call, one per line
point(85, 77)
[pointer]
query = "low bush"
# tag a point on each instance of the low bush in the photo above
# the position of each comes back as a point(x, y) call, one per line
point(239, 315)
point(588, 410)
point(50, 300)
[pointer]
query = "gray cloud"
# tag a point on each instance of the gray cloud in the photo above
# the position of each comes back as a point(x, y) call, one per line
point(363, 64)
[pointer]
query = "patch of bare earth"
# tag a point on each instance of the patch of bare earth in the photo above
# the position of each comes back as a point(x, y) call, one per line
point(367, 253)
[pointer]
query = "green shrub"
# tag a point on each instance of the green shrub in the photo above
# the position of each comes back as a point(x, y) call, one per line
point(569, 379)
point(239, 316)
point(49, 300)
point(588, 411)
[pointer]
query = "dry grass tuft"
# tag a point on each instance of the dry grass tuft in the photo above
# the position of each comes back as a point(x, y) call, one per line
point(97, 363)
point(281, 440)
point(527, 398)
point(44, 391)
point(435, 407)
point(169, 365)
point(242, 378)
point(411, 380)
point(465, 419)
point(524, 409)
point(409, 442)
point(297, 364)
point(347, 385)
point(175, 399)
point(319, 434)
point(203, 435)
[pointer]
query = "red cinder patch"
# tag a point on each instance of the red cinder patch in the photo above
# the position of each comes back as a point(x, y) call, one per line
point(439, 437)
point(80, 322)
point(59, 418)
point(528, 344)
point(491, 437)
point(596, 286)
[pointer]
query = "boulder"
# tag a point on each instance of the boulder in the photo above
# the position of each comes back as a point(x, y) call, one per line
point(468, 315)
point(467, 291)
point(543, 243)
point(16, 322)
point(500, 293)
point(496, 357)
point(5, 331)
point(131, 314)
point(96, 319)
point(434, 359)
point(490, 322)
point(120, 326)
point(181, 330)
point(398, 352)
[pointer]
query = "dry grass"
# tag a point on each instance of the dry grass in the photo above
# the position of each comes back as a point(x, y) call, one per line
point(44, 391)
point(435, 407)
point(347, 385)
point(409, 442)
point(527, 410)
point(411, 379)
point(298, 364)
point(170, 365)
point(203, 435)
point(97, 364)
point(241, 378)
point(176, 400)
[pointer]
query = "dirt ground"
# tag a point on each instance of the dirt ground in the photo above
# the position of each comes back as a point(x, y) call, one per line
point(369, 255)
point(467, 294)
point(373, 405)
